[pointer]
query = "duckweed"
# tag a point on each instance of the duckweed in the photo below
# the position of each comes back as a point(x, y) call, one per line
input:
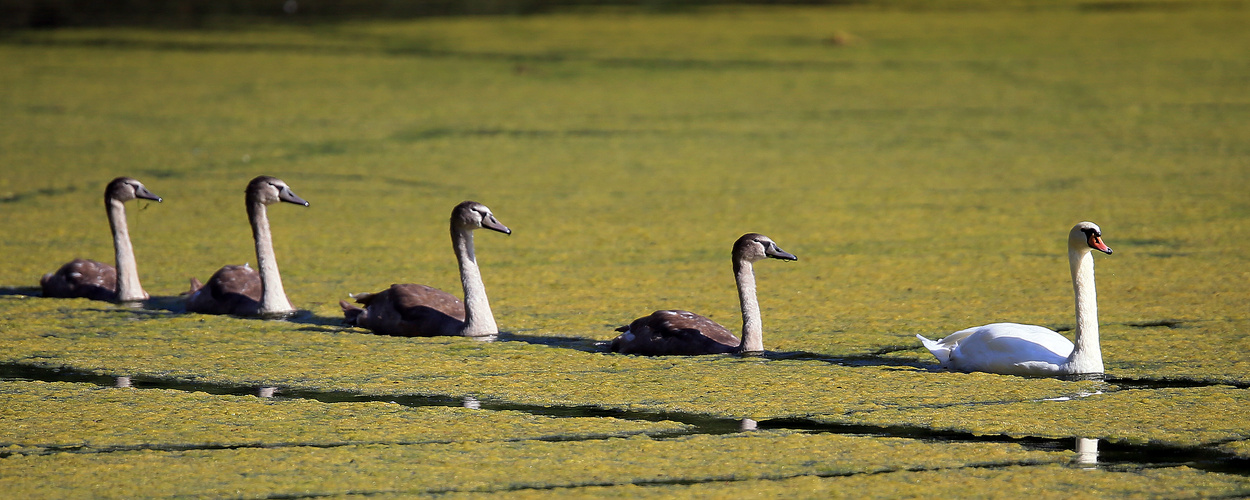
point(1043, 482)
point(53, 416)
point(490, 466)
point(1239, 448)
point(924, 175)
point(268, 353)
point(1177, 417)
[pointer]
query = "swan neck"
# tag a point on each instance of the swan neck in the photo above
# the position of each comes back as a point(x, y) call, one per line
point(128, 287)
point(479, 321)
point(1086, 356)
point(273, 298)
point(752, 325)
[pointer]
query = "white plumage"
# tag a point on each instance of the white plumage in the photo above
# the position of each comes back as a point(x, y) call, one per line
point(1016, 349)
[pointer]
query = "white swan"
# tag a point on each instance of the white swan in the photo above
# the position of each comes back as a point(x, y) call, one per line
point(409, 310)
point(239, 290)
point(674, 332)
point(97, 280)
point(1015, 349)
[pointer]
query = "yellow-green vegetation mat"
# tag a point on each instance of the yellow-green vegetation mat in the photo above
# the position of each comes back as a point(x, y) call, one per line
point(925, 162)
point(55, 416)
point(494, 466)
point(1044, 481)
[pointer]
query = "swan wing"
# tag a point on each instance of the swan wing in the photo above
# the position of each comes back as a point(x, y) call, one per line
point(81, 278)
point(939, 350)
point(673, 332)
point(410, 296)
point(1009, 348)
point(231, 290)
point(408, 310)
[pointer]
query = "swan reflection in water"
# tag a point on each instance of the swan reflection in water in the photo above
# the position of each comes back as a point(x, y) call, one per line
point(122, 381)
point(749, 425)
point(471, 403)
point(1086, 453)
point(266, 392)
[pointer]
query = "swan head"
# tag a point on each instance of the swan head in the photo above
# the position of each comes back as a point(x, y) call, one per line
point(1086, 236)
point(753, 247)
point(269, 190)
point(125, 189)
point(473, 215)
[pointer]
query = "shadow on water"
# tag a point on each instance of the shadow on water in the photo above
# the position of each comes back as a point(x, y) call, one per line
point(1146, 383)
point(576, 343)
point(44, 192)
point(315, 322)
point(176, 304)
point(868, 359)
point(167, 305)
point(393, 48)
point(375, 180)
point(1090, 452)
point(1111, 455)
point(601, 346)
point(705, 425)
point(26, 291)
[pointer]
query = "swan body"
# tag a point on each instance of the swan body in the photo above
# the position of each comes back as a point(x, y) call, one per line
point(241, 290)
point(1016, 349)
point(96, 280)
point(675, 332)
point(410, 310)
point(231, 290)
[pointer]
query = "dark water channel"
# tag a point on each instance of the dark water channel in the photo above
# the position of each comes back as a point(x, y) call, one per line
point(1091, 452)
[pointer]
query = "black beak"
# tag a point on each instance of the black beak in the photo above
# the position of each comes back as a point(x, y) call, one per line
point(143, 192)
point(777, 253)
point(493, 224)
point(289, 196)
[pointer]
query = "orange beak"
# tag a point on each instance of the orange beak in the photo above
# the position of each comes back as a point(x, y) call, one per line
point(1096, 243)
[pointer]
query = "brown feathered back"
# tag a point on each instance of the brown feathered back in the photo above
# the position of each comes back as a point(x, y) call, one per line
point(231, 290)
point(674, 332)
point(407, 310)
point(81, 278)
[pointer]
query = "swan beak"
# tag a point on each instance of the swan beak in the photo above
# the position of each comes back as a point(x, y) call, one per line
point(1096, 243)
point(494, 225)
point(289, 196)
point(143, 192)
point(777, 253)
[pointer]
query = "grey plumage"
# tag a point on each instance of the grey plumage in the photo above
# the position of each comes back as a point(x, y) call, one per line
point(97, 280)
point(676, 332)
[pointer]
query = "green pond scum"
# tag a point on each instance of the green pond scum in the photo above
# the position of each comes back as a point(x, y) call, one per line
point(103, 419)
point(924, 162)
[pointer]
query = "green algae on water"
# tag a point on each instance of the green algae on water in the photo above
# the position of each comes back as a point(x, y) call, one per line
point(1240, 448)
point(489, 466)
point(1042, 482)
point(46, 417)
point(243, 352)
point(1188, 417)
point(925, 176)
